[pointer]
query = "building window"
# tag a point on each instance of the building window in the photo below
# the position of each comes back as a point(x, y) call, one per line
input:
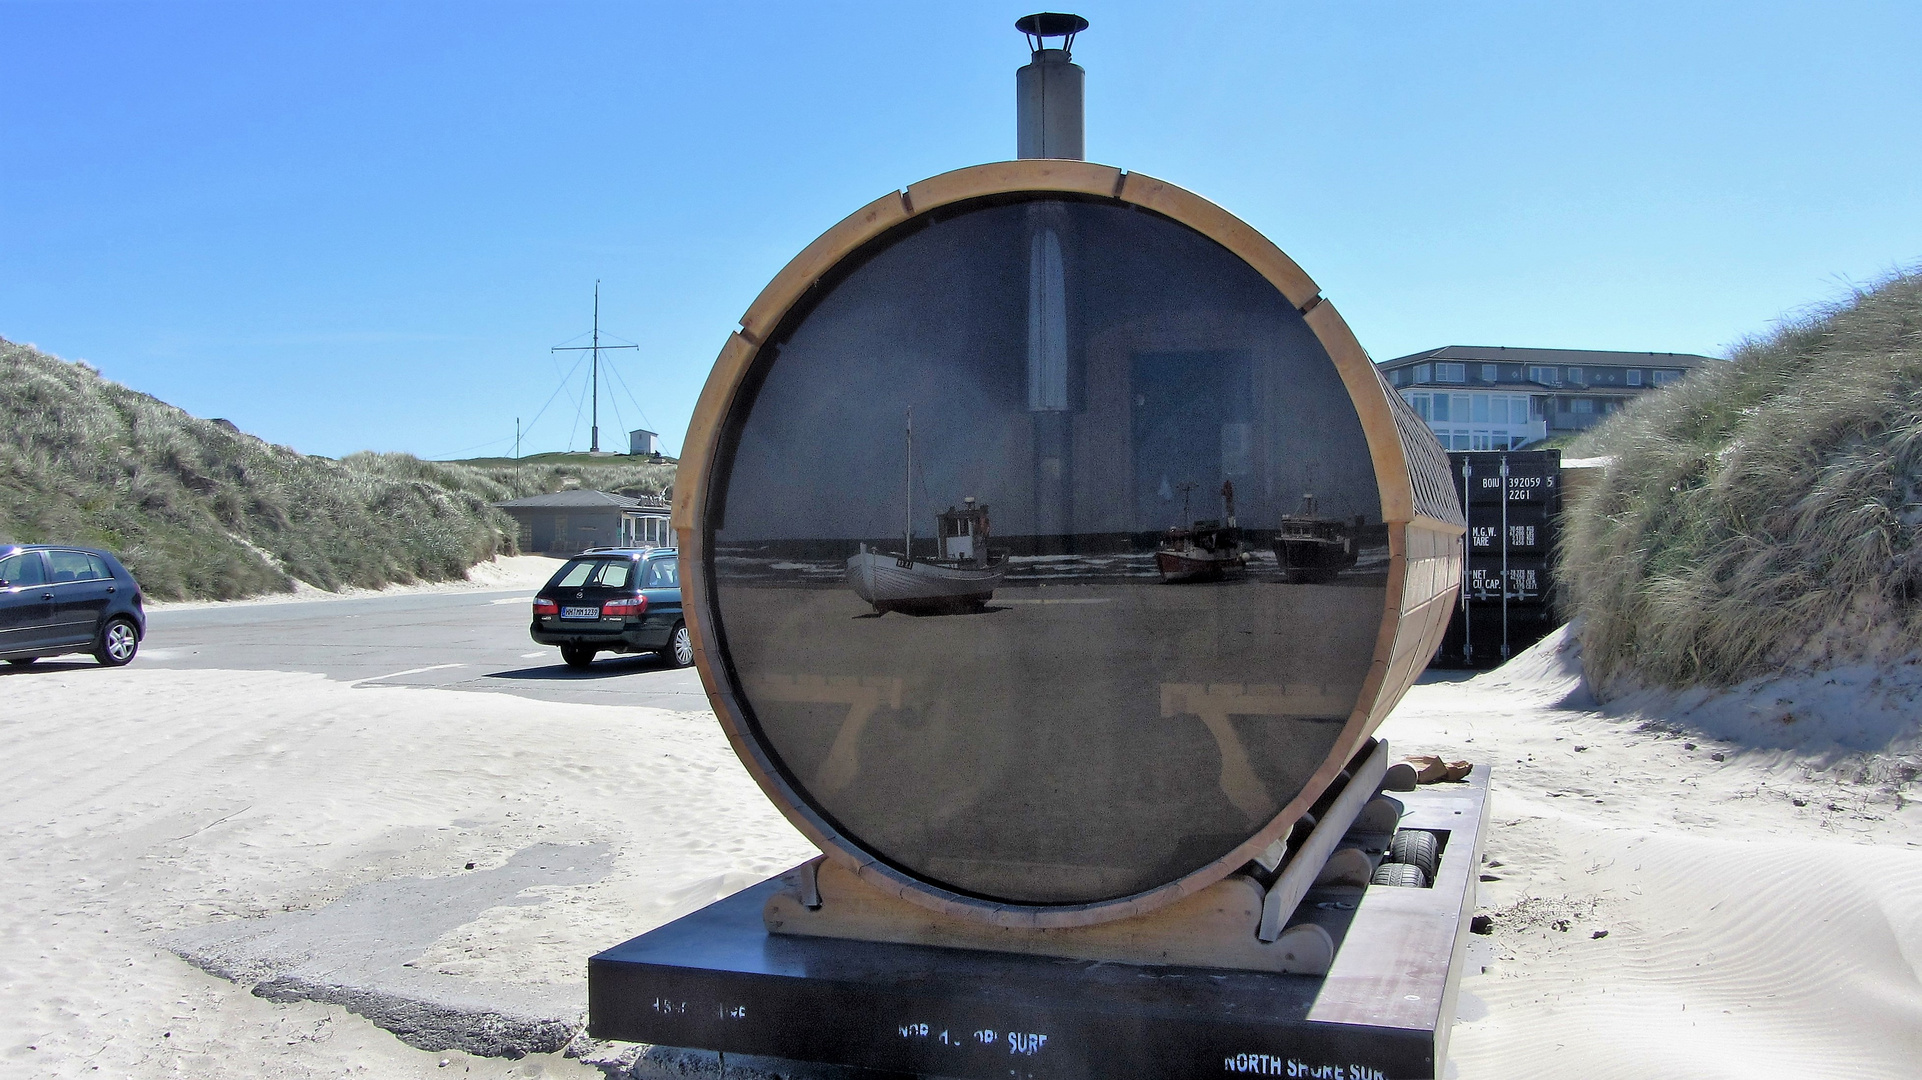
point(1663, 378)
point(1419, 403)
point(1544, 375)
point(1451, 373)
point(1584, 405)
point(1421, 373)
point(1575, 375)
point(1441, 407)
point(1635, 377)
point(1491, 373)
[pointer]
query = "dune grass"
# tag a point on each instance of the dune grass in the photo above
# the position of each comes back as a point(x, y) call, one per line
point(1763, 513)
point(199, 511)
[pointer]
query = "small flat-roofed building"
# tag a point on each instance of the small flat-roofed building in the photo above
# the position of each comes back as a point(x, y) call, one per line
point(568, 522)
point(641, 442)
point(1479, 397)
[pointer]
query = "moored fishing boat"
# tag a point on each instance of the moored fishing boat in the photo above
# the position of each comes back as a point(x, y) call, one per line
point(1313, 549)
point(1205, 550)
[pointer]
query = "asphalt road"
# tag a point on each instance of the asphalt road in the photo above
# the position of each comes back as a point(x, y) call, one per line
point(474, 641)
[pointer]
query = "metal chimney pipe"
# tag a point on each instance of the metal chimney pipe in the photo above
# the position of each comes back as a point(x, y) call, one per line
point(1048, 90)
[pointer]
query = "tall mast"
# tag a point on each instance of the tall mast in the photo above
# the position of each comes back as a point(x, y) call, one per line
point(594, 438)
point(594, 446)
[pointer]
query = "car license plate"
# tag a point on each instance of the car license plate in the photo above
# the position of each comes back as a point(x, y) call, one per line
point(580, 613)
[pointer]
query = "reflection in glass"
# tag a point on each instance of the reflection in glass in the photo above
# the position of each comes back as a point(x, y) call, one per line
point(1032, 709)
point(960, 576)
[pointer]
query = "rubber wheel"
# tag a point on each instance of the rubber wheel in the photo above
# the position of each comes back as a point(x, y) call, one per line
point(680, 647)
point(577, 656)
point(1416, 847)
point(23, 661)
point(1399, 875)
point(118, 643)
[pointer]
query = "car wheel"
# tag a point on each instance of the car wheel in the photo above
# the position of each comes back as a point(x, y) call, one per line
point(118, 643)
point(23, 661)
point(1399, 875)
point(680, 646)
point(577, 656)
point(1416, 847)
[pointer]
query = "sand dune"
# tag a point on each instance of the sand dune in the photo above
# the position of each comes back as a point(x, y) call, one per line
point(501, 572)
point(1762, 916)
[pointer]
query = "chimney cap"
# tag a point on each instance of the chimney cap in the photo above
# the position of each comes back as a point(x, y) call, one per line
point(1048, 24)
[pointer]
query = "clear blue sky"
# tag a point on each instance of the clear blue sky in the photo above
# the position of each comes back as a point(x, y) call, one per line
point(361, 226)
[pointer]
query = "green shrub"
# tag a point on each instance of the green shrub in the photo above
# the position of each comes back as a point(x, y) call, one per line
point(1761, 513)
point(199, 511)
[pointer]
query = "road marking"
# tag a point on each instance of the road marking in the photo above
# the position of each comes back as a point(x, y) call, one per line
point(513, 600)
point(409, 671)
point(532, 655)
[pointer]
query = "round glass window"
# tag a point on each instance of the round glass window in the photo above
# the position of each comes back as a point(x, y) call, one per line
point(1048, 560)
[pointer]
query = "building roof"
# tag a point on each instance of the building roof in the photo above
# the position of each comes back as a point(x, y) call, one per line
point(571, 498)
point(1503, 354)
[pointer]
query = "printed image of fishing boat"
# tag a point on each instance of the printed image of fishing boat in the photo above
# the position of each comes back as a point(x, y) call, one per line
point(1312, 549)
point(961, 575)
point(1205, 550)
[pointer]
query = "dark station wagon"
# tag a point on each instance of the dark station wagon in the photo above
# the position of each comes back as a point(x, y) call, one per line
point(622, 600)
point(56, 600)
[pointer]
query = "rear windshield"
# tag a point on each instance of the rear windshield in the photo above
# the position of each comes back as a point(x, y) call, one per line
point(610, 573)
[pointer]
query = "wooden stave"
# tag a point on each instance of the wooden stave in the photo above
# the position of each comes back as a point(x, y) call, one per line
point(1424, 532)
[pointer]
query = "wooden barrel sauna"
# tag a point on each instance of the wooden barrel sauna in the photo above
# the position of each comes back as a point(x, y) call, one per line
point(1050, 544)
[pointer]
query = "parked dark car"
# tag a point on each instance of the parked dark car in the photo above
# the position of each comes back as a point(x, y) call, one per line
point(623, 600)
point(56, 600)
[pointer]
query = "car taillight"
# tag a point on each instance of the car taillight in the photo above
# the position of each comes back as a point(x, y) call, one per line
point(546, 607)
point(624, 608)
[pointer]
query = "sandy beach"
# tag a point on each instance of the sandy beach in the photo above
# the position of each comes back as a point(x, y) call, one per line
point(500, 572)
point(1663, 903)
point(1669, 904)
point(141, 804)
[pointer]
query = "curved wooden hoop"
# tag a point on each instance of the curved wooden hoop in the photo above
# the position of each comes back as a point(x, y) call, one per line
point(1419, 600)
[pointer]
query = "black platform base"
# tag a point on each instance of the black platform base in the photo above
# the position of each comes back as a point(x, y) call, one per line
point(717, 980)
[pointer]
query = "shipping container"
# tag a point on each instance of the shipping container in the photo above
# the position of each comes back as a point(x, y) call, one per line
point(1534, 477)
point(1527, 528)
point(1513, 504)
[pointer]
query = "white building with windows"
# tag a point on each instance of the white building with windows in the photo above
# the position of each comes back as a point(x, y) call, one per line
point(1496, 398)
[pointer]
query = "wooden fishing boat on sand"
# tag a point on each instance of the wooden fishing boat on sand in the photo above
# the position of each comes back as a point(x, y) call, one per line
point(961, 576)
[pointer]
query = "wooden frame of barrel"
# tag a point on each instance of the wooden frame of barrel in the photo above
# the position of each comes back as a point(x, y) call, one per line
point(1411, 472)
